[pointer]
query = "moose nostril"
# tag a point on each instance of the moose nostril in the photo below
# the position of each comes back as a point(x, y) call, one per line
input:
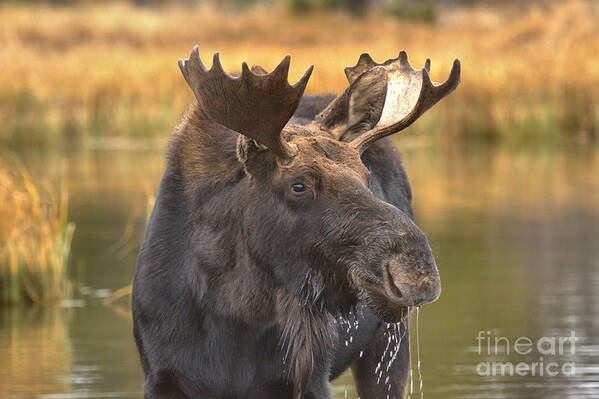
point(394, 288)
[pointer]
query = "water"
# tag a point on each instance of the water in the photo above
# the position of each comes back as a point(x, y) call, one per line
point(515, 234)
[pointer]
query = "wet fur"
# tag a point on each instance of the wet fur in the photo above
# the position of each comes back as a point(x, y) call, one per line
point(210, 319)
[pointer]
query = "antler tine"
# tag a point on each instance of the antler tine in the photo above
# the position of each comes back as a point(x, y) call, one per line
point(281, 72)
point(408, 107)
point(195, 57)
point(301, 84)
point(437, 92)
point(365, 63)
point(403, 61)
point(216, 65)
point(452, 81)
point(258, 70)
point(427, 65)
point(192, 66)
point(256, 105)
point(245, 69)
point(365, 58)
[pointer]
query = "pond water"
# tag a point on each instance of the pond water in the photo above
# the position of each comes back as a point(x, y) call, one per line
point(515, 234)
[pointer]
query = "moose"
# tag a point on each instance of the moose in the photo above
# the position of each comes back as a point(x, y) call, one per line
point(279, 218)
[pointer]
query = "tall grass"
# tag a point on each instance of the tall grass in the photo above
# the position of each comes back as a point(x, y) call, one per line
point(71, 74)
point(35, 239)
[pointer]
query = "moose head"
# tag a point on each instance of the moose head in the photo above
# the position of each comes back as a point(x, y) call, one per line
point(311, 218)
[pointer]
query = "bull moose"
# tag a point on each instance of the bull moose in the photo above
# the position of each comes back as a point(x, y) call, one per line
point(282, 248)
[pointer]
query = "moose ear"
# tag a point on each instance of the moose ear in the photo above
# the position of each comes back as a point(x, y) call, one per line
point(246, 147)
point(366, 100)
point(359, 108)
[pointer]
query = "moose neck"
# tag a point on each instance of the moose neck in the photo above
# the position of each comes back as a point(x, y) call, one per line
point(244, 289)
point(230, 269)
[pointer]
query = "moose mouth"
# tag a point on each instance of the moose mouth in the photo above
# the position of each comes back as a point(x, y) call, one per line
point(390, 297)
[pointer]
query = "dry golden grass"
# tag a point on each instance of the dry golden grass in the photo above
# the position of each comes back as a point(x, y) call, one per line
point(35, 239)
point(111, 70)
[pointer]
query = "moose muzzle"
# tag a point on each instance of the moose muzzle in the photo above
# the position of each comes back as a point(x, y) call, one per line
point(405, 276)
point(412, 282)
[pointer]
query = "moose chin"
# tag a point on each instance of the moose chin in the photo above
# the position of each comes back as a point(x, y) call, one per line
point(278, 217)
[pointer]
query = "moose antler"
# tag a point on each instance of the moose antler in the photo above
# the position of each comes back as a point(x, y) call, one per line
point(366, 63)
point(254, 104)
point(409, 94)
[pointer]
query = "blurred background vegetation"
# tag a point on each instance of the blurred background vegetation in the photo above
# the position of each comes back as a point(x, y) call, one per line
point(98, 70)
point(35, 239)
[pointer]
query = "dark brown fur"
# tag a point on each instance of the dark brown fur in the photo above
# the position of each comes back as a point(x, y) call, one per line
point(243, 280)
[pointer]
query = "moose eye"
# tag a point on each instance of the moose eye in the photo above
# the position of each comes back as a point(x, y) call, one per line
point(298, 187)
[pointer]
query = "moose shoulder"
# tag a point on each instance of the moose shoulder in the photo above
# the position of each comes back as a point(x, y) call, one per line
point(282, 242)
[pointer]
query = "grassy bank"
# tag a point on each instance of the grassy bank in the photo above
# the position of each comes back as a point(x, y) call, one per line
point(35, 239)
point(70, 74)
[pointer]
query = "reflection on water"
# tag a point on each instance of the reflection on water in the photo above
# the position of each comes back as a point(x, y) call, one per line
point(35, 352)
point(515, 233)
point(80, 352)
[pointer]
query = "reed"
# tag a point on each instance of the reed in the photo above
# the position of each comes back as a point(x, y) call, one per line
point(35, 239)
point(70, 74)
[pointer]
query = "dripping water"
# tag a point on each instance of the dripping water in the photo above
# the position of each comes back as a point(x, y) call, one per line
point(348, 324)
point(418, 362)
point(418, 352)
point(410, 355)
point(394, 340)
